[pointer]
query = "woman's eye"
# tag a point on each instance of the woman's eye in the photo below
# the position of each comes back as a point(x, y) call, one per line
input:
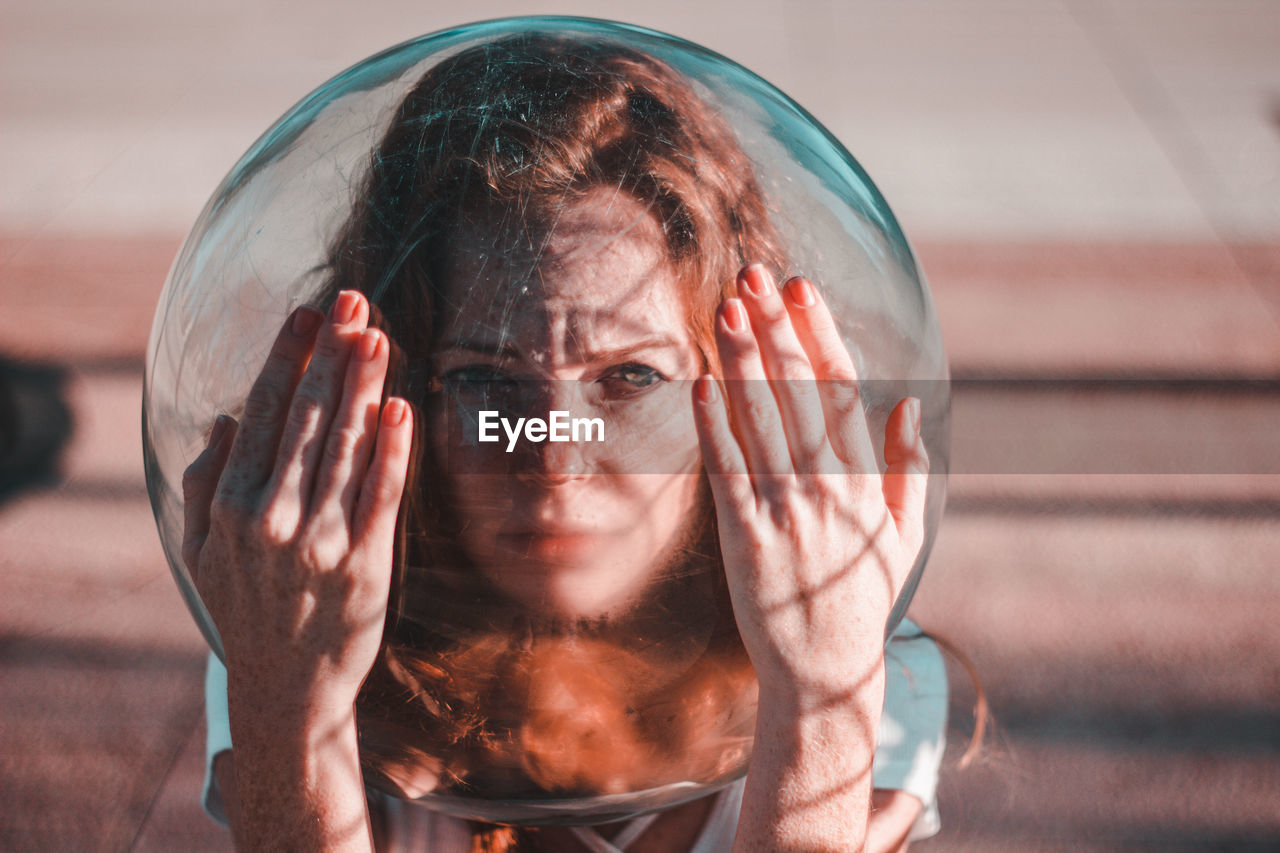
point(629, 379)
point(476, 379)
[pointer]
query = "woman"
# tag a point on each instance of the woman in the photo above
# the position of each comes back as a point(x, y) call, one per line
point(624, 254)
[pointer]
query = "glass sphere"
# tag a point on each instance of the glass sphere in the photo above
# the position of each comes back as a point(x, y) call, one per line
point(509, 187)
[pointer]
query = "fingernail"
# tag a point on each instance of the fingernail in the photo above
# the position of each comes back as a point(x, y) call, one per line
point(916, 415)
point(757, 280)
point(735, 316)
point(305, 321)
point(367, 346)
point(393, 412)
point(218, 431)
point(344, 308)
point(706, 389)
point(800, 292)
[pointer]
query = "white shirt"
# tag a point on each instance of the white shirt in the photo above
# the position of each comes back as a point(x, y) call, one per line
point(909, 746)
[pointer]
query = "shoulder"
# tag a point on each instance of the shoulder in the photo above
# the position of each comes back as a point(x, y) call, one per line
point(912, 734)
point(914, 668)
point(217, 736)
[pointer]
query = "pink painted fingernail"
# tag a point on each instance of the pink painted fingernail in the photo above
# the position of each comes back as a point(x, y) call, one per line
point(393, 412)
point(344, 308)
point(735, 316)
point(800, 292)
point(706, 389)
point(757, 280)
point(305, 321)
point(367, 346)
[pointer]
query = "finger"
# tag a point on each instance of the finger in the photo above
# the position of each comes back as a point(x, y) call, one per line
point(199, 482)
point(374, 523)
point(791, 377)
point(315, 402)
point(350, 439)
point(837, 377)
point(906, 477)
point(754, 409)
point(252, 455)
point(721, 454)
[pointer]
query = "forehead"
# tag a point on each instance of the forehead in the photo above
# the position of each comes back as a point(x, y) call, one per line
point(598, 267)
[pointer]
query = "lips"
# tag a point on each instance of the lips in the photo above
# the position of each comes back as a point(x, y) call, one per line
point(553, 544)
point(560, 527)
point(553, 520)
point(552, 530)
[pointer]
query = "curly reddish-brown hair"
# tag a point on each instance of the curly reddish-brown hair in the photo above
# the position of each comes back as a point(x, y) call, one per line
point(530, 123)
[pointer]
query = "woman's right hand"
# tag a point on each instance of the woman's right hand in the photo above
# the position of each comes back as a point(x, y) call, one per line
point(291, 516)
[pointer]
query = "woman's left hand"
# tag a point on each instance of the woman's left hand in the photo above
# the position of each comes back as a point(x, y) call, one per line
point(817, 542)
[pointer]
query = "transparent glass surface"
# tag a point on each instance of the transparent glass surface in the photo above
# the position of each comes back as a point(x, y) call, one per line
point(514, 196)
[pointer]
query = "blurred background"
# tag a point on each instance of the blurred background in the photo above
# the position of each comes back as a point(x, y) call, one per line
point(1093, 189)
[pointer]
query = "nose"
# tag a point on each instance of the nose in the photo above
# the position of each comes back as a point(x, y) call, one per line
point(552, 463)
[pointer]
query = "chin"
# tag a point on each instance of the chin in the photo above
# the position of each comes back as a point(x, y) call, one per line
point(570, 591)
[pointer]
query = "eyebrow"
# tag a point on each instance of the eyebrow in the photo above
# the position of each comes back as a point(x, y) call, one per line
point(507, 350)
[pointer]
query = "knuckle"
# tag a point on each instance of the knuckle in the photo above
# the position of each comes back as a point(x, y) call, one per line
point(329, 347)
point(783, 509)
point(286, 356)
point(864, 489)
point(342, 442)
point(265, 404)
point(386, 488)
point(740, 345)
point(807, 431)
point(773, 311)
point(273, 528)
point(193, 479)
point(793, 367)
point(741, 490)
point(807, 450)
point(845, 393)
point(306, 403)
point(724, 460)
point(320, 552)
point(829, 497)
point(759, 411)
point(384, 491)
point(922, 458)
point(226, 508)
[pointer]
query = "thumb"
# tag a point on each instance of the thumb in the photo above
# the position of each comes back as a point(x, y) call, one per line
point(199, 482)
point(906, 475)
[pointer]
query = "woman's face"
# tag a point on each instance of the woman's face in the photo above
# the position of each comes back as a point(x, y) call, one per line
point(582, 315)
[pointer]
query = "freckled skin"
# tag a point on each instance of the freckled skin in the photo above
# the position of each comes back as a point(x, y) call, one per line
point(595, 280)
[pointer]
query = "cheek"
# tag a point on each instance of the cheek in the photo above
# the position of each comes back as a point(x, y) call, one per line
point(655, 436)
point(477, 476)
point(659, 505)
